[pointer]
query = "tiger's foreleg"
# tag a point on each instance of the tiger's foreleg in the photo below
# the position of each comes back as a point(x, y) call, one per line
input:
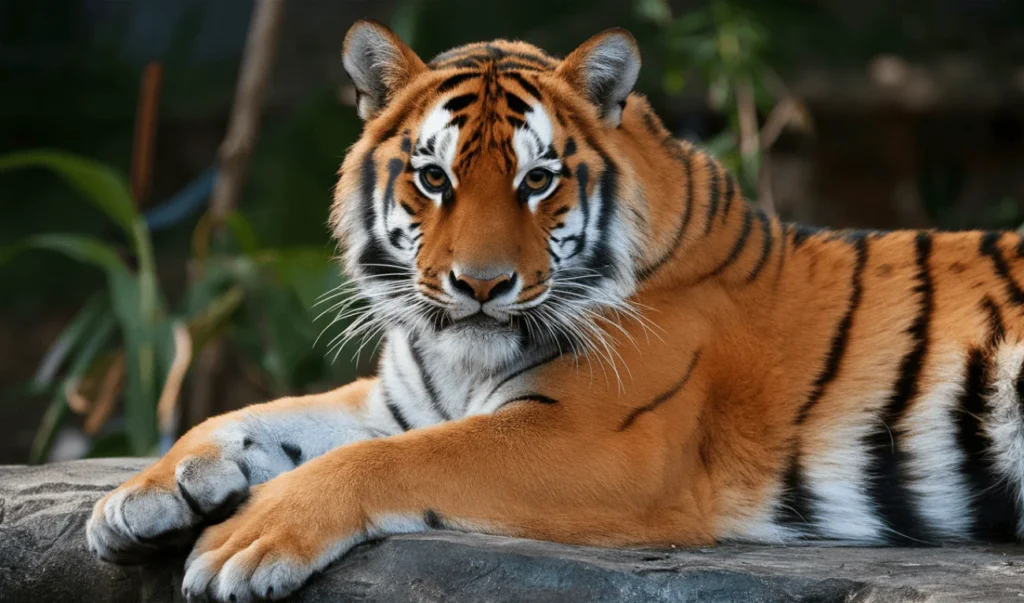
point(532, 469)
point(211, 469)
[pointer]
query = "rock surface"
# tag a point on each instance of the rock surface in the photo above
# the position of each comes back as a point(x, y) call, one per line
point(43, 558)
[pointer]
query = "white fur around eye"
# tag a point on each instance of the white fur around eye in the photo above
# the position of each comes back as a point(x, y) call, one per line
point(530, 142)
point(446, 144)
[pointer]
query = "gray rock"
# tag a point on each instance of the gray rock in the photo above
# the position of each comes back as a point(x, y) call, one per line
point(44, 558)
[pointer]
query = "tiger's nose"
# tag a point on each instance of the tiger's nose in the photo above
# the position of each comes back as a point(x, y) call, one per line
point(482, 288)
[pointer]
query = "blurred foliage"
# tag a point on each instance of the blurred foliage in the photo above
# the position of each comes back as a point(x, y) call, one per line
point(726, 47)
point(260, 296)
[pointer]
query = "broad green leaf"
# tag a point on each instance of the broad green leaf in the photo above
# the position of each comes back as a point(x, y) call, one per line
point(78, 247)
point(108, 191)
point(98, 183)
point(140, 394)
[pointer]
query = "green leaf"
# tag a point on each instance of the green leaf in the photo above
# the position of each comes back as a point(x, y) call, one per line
point(308, 271)
point(78, 247)
point(68, 339)
point(98, 337)
point(241, 228)
point(141, 380)
point(134, 304)
point(98, 183)
point(108, 191)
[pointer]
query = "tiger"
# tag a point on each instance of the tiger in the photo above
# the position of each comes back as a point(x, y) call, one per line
point(592, 337)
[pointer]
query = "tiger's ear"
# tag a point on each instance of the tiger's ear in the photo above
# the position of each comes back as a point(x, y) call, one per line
point(379, 63)
point(605, 68)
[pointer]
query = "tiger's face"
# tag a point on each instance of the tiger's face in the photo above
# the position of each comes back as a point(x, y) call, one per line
point(482, 207)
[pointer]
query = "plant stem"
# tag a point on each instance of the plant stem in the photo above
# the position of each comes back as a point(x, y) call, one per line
point(257, 61)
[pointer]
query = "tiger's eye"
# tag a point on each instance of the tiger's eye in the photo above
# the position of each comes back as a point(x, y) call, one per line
point(434, 179)
point(537, 180)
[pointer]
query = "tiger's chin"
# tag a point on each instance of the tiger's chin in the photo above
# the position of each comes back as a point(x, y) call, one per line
point(479, 343)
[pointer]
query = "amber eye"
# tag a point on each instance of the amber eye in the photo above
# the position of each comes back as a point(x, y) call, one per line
point(537, 181)
point(434, 179)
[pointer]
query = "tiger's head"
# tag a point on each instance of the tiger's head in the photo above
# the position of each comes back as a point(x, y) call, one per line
point(484, 206)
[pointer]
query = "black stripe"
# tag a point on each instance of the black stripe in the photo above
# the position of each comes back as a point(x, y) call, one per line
point(995, 321)
point(396, 413)
point(525, 85)
point(373, 258)
point(428, 381)
point(516, 104)
point(766, 246)
point(601, 256)
point(662, 398)
point(990, 247)
point(367, 185)
point(653, 128)
point(730, 192)
point(293, 452)
point(648, 271)
point(993, 506)
point(713, 193)
point(802, 232)
point(840, 339)
point(737, 247)
point(389, 133)
point(517, 66)
point(455, 80)
point(582, 179)
point(525, 369)
point(433, 520)
point(570, 147)
point(457, 103)
point(395, 168)
point(465, 62)
point(798, 500)
point(530, 397)
point(887, 480)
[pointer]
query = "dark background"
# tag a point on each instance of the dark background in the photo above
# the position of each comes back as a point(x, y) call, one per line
point(867, 114)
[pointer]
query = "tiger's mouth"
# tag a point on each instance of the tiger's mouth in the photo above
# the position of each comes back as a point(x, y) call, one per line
point(479, 320)
point(477, 325)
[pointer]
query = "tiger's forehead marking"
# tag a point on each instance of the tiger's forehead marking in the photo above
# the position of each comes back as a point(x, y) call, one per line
point(486, 112)
point(438, 141)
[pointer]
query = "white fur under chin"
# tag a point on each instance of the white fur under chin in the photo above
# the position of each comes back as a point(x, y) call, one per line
point(478, 349)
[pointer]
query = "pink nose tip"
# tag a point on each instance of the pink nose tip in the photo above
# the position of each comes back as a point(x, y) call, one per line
point(482, 289)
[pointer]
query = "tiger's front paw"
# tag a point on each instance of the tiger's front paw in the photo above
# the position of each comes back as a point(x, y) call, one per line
point(290, 528)
point(165, 506)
